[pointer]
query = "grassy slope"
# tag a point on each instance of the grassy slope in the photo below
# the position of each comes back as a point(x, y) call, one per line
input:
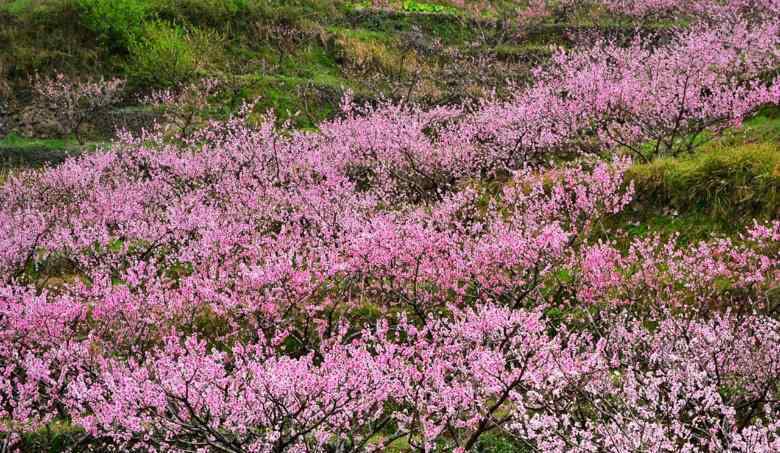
point(297, 55)
point(719, 189)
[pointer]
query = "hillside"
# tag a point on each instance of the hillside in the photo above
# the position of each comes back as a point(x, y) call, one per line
point(389, 225)
point(298, 56)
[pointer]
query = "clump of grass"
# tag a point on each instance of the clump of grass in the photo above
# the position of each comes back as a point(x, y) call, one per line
point(525, 52)
point(18, 142)
point(4, 174)
point(688, 227)
point(17, 7)
point(764, 127)
point(56, 436)
point(718, 191)
point(733, 182)
point(365, 51)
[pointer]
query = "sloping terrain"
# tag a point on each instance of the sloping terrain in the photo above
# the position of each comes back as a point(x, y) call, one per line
point(390, 225)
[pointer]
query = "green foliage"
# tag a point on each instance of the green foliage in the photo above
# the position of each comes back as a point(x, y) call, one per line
point(413, 6)
point(358, 5)
point(291, 11)
point(719, 190)
point(16, 141)
point(118, 23)
point(690, 227)
point(17, 152)
point(45, 36)
point(362, 51)
point(762, 128)
point(450, 29)
point(163, 57)
point(527, 52)
point(294, 98)
point(17, 7)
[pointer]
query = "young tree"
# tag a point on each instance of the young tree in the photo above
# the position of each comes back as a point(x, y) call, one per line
point(185, 106)
point(76, 102)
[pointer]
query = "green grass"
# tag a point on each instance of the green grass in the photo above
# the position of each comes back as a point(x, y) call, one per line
point(450, 29)
point(413, 6)
point(56, 436)
point(719, 189)
point(762, 128)
point(16, 7)
point(18, 142)
point(293, 98)
point(363, 34)
point(309, 81)
point(519, 52)
point(690, 227)
point(4, 174)
point(312, 62)
point(734, 181)
point(17, 152)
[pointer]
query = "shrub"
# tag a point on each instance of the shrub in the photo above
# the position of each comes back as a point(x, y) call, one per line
point(413, 6)
point(118, 23)
point(495, 442)
point(163, 57)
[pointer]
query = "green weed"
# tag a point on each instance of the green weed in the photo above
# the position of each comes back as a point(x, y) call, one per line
point(413, 6)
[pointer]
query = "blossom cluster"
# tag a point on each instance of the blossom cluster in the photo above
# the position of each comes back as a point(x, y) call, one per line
point(708, 10)
point(648, 97)
point(250, 293)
